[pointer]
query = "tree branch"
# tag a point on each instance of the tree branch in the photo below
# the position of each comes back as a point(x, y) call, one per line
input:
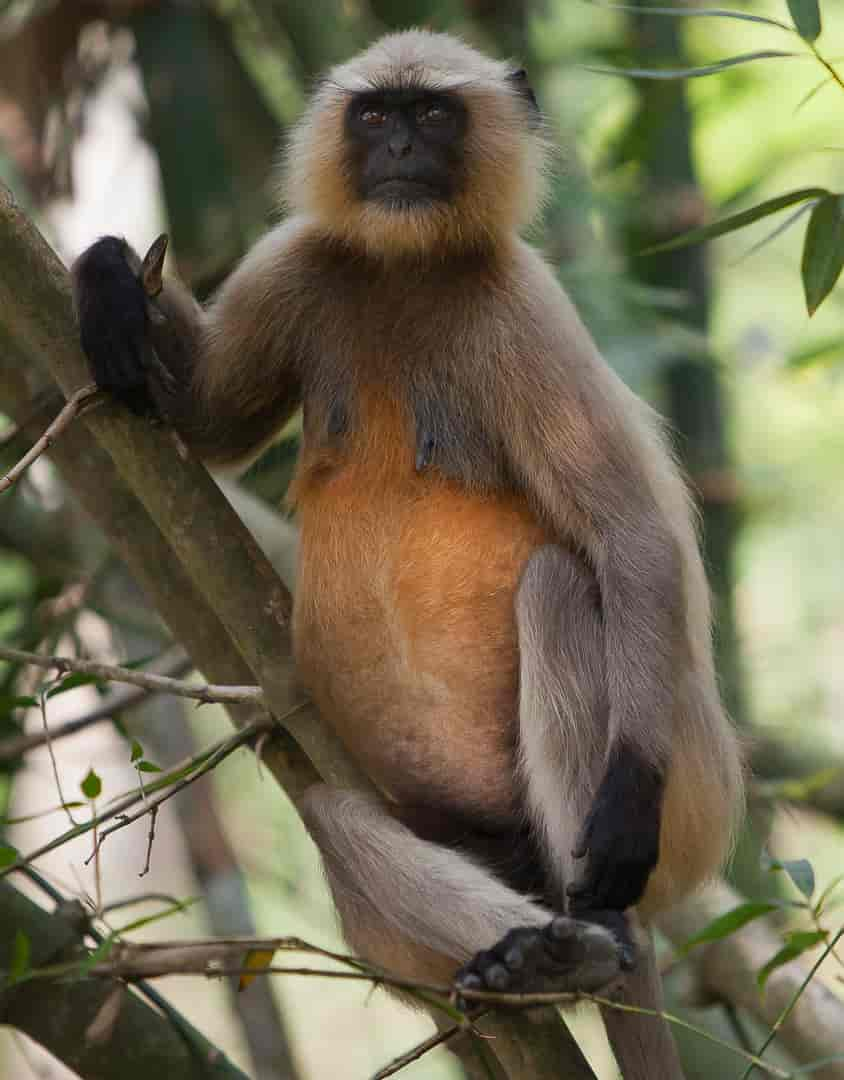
point(56, 1014)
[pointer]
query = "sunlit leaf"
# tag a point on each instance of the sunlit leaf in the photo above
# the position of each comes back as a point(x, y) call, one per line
point(823, 251)
point(798, 943)
point(147, 766)
point(690, 72)
point(799, 870)
point(137, 750)
point(704, 13)
point(807, 18)
point(257, 960)
point(740, 220)
point(91, 785)
point(731, 921)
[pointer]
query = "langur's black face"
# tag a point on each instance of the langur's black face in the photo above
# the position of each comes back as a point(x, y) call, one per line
point(406, 146)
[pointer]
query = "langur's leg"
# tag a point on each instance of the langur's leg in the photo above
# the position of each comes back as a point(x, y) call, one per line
point(563, 739)
point(563, 716)
point(420, 909)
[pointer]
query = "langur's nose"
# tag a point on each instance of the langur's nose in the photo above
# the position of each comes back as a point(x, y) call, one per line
point(399, 144)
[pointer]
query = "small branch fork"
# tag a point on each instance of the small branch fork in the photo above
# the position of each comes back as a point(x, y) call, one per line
point(86, 398)
point(205, 693)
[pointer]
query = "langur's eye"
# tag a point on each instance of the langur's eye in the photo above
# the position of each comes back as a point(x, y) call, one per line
point(433, 114)
point(372, 117)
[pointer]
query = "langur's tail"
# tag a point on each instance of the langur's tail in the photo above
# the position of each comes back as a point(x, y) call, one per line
point(643, 1046)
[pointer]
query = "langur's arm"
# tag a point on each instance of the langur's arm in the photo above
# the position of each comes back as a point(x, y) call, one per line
point(575, 451)
point(226, 376)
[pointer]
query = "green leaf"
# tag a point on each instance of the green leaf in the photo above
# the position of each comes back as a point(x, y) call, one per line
point(807, 18)
point(71, 682)
point(823, 250)
point(690, 72)
point(91, 785)
point(740, 220)
point(147, 766)
point(797, 943)
point(8, 855)
point(682, 12)
point(799, 870)
point(733, 920)
point(137, 750)
point(20, 956)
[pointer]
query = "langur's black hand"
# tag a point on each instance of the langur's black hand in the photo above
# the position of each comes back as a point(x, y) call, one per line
point(113, 309)
point(620, 837)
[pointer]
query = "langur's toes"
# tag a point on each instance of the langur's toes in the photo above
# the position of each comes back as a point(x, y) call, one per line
point(567, 954)
point(562, 929)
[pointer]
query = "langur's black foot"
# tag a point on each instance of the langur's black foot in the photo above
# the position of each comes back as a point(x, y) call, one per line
point(565, 955)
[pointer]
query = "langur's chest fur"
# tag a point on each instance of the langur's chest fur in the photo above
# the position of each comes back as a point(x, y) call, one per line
point(413, 543)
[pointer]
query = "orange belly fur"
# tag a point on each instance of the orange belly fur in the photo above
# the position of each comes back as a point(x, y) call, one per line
point(404, 620)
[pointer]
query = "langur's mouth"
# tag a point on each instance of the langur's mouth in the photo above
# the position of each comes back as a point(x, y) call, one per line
point(400, 193)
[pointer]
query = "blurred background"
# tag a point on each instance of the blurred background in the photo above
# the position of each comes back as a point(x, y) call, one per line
point(138, 116)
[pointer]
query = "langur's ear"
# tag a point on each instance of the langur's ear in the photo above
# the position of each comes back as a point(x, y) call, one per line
point(519, 80)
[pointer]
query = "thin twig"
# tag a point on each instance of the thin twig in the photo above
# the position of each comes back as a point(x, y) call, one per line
point(439, 1038)
point(207, 693)
point(42, 704)
point(151, 806)
point(88, 396)
point(786, 1012)
point(153, 816)
point(119, 808)
point(172, 663)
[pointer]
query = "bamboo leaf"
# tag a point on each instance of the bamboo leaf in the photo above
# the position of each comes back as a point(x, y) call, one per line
point(740, 220)
point(690, 72)
point(733, 920)
point(699, 13)
point(797, 944)
point(71, 682)
point(147, 766)
point(807, 18)
point(823, 251)
point(799, 870)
